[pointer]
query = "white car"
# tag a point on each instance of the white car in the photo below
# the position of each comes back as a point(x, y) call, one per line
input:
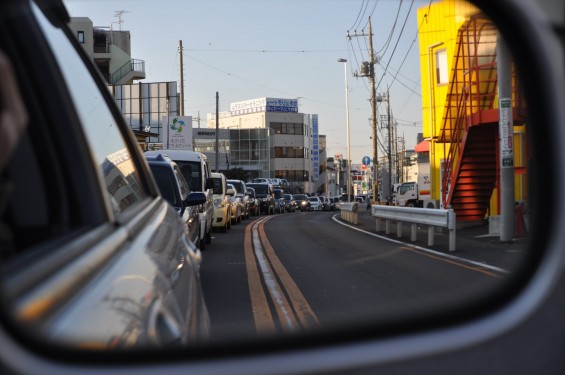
point(315, 204)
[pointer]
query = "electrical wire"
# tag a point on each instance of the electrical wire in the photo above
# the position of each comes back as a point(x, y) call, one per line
point(358, 15)
point(397, 41)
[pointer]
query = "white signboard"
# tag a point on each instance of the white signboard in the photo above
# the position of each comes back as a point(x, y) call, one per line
point(264, 105)
point(177, 132)
point(506, 132)
point(316, 146)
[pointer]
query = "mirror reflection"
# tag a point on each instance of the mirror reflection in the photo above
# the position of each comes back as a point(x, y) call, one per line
point(361, 162)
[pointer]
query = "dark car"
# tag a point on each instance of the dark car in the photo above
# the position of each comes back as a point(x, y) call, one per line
point(290, 203)
point(279, 201)
point(175, 190)
point(92, 255)
point(253, 202)
point(266, 196)
point(302, 202)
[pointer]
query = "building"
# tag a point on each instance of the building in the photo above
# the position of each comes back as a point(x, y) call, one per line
point(145, 105)
point(458, 62)
point(110, 50)
point(270, 138)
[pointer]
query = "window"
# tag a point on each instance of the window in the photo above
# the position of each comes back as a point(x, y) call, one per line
point(80, 36)
point(108, 146)
point(441, 67)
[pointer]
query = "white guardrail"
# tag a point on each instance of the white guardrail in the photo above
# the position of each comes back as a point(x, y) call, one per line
point(349, 212)
point(431, 217)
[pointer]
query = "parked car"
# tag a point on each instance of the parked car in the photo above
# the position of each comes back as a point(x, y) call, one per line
point(236, 204)
point(174, 188)
point(222, 202)
point(195, 168)
point(279, 201)
point(302, 202)
point(91, 253)
point(241, 188)
point(315, 203)
point(264, 193)
point(290, 203)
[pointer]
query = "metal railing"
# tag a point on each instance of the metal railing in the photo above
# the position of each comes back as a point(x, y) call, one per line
point(431, 217)
point(133, 65)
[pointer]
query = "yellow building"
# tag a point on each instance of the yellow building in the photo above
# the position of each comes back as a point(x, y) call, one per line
point(460, 110)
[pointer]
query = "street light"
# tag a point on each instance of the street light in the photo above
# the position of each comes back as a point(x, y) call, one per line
point(347, 122)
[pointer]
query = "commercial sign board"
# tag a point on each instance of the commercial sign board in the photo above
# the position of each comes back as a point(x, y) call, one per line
point(315, 147)
point(506, 133)
point(264, 105)
point(177, 132)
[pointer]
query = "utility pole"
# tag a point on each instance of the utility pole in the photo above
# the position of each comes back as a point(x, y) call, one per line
point(387, 188)
point(181, 80)
point(217, 132)
point(368, 70)
point(373, 113)
point(506, 134)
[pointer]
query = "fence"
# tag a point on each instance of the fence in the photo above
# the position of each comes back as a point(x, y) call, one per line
point(430, 217)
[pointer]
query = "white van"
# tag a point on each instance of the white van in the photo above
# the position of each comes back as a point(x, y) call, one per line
point(196, 170)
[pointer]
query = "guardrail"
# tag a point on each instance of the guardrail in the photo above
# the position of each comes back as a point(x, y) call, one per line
point(431, 217)
point(349, 212)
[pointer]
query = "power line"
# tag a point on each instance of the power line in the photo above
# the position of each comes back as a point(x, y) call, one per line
point(358, 15)
point(387, 43)
point(397, 41)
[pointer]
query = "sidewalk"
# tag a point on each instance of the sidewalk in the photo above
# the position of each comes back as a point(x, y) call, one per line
point(472, 243)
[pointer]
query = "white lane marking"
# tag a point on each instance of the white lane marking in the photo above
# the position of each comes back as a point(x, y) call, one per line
point(447, 256)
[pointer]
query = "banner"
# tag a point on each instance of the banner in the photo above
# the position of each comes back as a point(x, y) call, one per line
point(177, 132)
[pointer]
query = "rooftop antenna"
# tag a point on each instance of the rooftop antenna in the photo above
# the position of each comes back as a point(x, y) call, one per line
point(119, 14)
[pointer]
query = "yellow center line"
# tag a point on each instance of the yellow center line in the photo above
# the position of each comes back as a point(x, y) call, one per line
point(264, 323)
point(304, 312)
point(262, 262)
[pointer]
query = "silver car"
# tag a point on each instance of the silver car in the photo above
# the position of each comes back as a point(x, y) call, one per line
point(92, 254)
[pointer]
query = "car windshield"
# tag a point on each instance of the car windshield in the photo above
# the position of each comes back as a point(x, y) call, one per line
point(192, 174)
point(167, 184)
point(218, 188)
point(261, 190)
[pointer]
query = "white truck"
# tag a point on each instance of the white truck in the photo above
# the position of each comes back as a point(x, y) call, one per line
point(415, 194)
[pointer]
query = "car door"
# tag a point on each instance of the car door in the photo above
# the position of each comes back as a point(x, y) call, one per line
point(93, 257)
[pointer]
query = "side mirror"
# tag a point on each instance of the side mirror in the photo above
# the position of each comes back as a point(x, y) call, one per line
point(195, 198)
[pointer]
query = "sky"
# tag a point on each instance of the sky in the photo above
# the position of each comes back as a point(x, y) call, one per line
point(247, 49)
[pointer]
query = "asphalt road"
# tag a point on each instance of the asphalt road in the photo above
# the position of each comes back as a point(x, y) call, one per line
point(304, 271)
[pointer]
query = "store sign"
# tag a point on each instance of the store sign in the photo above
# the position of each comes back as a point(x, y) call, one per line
point(264, 105)
point(177, 132)
point(315, 148)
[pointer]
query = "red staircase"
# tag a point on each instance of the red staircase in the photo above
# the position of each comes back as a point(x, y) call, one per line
point(470, 123)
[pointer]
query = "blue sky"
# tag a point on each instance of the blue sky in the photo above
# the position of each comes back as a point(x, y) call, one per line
point(246, 49)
